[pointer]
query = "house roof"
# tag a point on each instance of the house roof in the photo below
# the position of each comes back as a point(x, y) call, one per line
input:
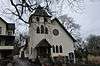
point(64, 29)
point(3, 20)
point(10, 26)
point(40, 11)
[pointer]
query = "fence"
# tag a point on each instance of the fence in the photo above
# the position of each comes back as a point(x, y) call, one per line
point(72, 65)
point(80, 64)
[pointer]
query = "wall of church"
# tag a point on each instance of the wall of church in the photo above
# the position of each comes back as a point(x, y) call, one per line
point(62, 39)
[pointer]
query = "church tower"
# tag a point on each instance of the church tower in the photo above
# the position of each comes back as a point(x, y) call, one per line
point(38, 30)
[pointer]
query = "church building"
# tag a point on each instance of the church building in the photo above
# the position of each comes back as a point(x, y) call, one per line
point(48, 38)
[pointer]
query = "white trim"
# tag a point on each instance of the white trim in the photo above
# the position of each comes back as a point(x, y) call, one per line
point(6, 47)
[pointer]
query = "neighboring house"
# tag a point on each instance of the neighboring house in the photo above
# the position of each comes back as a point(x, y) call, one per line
point(49, 38)
point(6, 39)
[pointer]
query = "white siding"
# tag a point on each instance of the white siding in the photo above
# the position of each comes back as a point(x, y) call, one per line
point(3, 26)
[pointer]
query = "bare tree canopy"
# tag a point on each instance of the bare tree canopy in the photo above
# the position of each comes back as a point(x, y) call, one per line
point(72, 28)
point(68, 22)
point(93, 42)
point(23, 7)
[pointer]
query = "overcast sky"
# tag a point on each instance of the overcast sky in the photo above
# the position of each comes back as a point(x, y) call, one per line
point(89, 19)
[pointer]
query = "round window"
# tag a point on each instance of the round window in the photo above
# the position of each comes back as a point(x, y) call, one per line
point(55, 32)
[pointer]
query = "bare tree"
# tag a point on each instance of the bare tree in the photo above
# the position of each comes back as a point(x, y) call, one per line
point(69, 23)
point(22, 7)
point(93, 43)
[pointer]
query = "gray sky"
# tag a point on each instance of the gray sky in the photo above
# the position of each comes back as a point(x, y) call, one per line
point(89, 19)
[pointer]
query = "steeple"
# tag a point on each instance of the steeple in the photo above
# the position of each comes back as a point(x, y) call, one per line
point(40, 11)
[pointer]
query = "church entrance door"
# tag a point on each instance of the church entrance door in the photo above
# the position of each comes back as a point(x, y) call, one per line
point(43, 49)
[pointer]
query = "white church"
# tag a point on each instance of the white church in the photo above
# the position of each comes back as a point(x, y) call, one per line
point(48, 38)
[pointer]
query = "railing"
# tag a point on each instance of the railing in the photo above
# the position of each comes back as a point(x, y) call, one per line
point(71, 64)
point(6, 47)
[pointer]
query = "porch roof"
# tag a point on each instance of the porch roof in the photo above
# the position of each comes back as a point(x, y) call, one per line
point(43, 43)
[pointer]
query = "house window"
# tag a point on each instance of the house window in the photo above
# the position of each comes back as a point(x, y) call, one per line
point(0, 30)
point(37, 18)
point(60, 49)
point(57, 49)
point(46, 30)
point(42, 29)
point(9, 33)
point(53, 47)
point(38, 30)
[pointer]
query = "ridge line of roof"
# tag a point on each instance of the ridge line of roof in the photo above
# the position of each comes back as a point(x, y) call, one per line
point(5, 21)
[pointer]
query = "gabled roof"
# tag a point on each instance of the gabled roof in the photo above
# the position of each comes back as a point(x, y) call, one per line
point(43, 43)
point(64, 29)
point(10, 26)
point(40, 11)
point(3, 20)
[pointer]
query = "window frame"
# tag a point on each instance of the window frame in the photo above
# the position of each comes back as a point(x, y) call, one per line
point(37, 19)
point(53, 48)
point(61, 49)
point(0, 30)
point(38, 30)
point(46, 30)
point(42, 29)
point(57, 49)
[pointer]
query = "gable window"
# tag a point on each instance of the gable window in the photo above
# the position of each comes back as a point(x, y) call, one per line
point(37, 18)
point(60, 49)
point(46, 30)
point(53, 47)
point(56, 32)
point(38, 30)
point(42, 29)
point(0, 30)
point(57, 49)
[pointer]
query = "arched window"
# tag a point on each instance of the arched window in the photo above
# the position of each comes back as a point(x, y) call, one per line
point(60, 49)
point(57, 49)
point(53, 47)
point(37, 18)
point(38, 30)
point(31, 50)
point(45, 19)
point(42, 29)
point(46, 30)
